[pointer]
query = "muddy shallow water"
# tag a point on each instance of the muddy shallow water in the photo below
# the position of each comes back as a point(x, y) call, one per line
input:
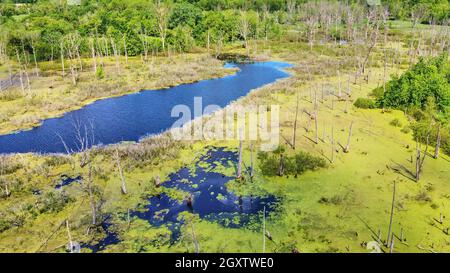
point(211, 199)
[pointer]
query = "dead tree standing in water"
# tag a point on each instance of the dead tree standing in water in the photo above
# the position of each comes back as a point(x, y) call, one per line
point(332, 144)
point(239, 168)
point(421, 159)
point(316, 122)
point(347, 147)
point(251, 160)
point(390, 237)
point(90, 190)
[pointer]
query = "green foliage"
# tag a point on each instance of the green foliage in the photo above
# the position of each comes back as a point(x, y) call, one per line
point(53, 202)
point(365, 103)
point(293, 165)
point(436, 10)
point(100, 73)
point(396, 122)
point(428, 78)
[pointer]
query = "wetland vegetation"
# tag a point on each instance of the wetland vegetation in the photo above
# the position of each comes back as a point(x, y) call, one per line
point(364, 153)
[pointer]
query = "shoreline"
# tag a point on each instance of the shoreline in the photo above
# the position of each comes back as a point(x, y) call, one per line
point(223, 73)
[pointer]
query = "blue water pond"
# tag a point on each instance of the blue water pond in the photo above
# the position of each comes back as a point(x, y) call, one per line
point(131, 117)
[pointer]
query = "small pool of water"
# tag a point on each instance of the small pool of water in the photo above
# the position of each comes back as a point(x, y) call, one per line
point(211, 199)
point(111, 238)
point(67, 180)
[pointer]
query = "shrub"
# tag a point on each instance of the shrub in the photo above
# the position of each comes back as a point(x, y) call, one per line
point(268, 163)
point(293, 165)
point(5, 224)
point(100, 74)
point(396, 122)
point(406, 130)
point(365, 103)
point(54, 202)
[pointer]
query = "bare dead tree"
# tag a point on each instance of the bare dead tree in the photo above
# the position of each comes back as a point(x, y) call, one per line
point(390, 235)
point(310, 17)
point(62, 59)
point(420, 160)
point(332, 144)
point(94, 55)
point(194, 238)
point(385, 17)
point(34, 36)
point(124, 37)
point(90, 190)
point(239, 167)
point(251, 160)
point(438, 142)
point(347, 147)
point(418, 13)
point(162, 12)
point(373, 31)
point(72, 41)
point(20, 72)
point(244, 29)
point(295, 123)
point(116, 54)
point(391, 247)
point(83, 139)
point(316, 122)
point(290, 9)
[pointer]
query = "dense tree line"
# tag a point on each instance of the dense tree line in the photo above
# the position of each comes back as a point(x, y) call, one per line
point(133, 27)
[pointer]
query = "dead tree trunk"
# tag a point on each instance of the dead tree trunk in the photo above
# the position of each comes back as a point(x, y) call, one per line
point(418, 157)
point(94, 57)
point(391, 247)
point(122, 178)
point(116, 55)
point(347, 147)
point(295, 124)
point(251, 160)
point(20, 72)
point(390, 237)
point(125, 48)
point(438, 142)
point(316, 117)
point(194, 239)
point(36, 70)
point(62, 60)
point(239, 169)
point(421, 160)
point(92, 197)
point(332, 144)
point(71, 246)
